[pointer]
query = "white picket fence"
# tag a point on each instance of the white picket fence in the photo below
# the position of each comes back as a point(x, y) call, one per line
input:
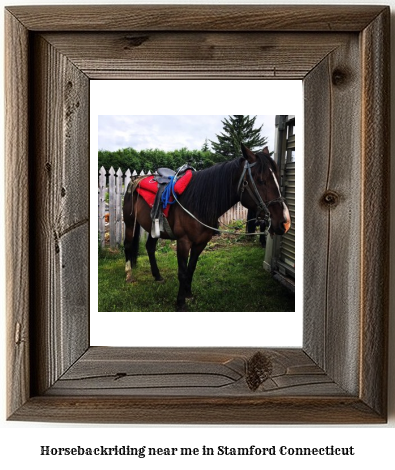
point(111, 226)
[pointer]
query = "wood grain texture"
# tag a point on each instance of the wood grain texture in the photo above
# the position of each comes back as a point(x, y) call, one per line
point(61, 203)
point(195, 55)
point(198, 410)
point(339, 376)
point(317, 152)
point(123, 385)
point(196, 17)
point(188, 372)
point(376, 211)
point(332, 195)
point(17, 213)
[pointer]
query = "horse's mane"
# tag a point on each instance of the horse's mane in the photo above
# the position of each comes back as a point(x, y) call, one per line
point(213, 191)
point(210, 192)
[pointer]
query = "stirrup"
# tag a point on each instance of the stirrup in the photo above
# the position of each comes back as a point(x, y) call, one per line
point(155, 229)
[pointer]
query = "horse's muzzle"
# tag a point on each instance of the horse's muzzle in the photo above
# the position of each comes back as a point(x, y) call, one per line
point(287, 225)
point(281, 229)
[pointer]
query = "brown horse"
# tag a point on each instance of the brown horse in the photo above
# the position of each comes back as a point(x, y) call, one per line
point(251, 179)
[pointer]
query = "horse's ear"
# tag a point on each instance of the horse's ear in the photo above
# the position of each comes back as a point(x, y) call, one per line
point(247, 154)
point(266, 151)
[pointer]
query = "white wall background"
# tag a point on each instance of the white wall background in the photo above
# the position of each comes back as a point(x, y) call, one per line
point(20, 442)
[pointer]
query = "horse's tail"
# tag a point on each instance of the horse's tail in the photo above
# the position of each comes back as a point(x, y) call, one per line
point(134, 249)
point(132, 233)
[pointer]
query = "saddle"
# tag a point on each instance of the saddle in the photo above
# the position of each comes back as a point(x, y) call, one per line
point(164, 178)
point(158, 193)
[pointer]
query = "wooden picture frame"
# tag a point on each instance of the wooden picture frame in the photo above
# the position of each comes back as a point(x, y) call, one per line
point(340, 374)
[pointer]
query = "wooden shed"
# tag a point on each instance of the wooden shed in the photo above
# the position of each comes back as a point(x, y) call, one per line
point(280, 251)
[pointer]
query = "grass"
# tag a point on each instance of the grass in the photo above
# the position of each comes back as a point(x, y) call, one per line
point(229, 278)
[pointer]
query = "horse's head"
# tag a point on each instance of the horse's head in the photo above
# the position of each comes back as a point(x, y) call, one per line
point(259, 190)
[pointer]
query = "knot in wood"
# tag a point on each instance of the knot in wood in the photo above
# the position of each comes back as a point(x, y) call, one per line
point(135, 41)
point(340, 77)
point(330, 199)
point(259, 369)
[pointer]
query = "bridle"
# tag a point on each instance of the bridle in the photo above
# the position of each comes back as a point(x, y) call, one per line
point(247, 182)
point(256, 197)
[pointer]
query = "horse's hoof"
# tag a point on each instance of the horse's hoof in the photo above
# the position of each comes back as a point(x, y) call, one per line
point(160, 280)
point(181, 308)
point(189, 296)
point(129, 280)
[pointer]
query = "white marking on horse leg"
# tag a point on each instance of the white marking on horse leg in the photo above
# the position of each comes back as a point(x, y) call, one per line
point(128, 271)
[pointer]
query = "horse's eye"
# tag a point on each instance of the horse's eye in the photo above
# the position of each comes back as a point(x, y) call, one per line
point(260, 182)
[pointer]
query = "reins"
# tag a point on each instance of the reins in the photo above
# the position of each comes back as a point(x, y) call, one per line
point(243, 184)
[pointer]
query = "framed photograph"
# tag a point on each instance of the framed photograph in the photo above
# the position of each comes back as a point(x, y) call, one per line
point(339, 375)
point(229, 278)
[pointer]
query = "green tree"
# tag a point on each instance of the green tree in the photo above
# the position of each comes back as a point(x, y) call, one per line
point(205, 147)
point(152, 159)
point(237, 129)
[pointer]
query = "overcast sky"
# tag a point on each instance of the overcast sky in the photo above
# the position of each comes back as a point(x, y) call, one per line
point(167, 132)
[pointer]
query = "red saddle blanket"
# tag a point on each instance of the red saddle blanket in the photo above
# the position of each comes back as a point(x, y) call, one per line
point(148, 187)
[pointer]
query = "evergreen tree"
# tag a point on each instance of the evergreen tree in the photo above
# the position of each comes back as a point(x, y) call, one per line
point(237, 129)
point(205, 147)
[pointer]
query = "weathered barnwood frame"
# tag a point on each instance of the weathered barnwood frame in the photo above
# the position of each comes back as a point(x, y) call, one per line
point(342, 54)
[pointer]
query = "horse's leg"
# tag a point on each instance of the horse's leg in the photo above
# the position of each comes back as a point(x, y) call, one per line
point(128, 253)
point(195, 253)
point(151, 247)
point(131, 248)
point(183, 247)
